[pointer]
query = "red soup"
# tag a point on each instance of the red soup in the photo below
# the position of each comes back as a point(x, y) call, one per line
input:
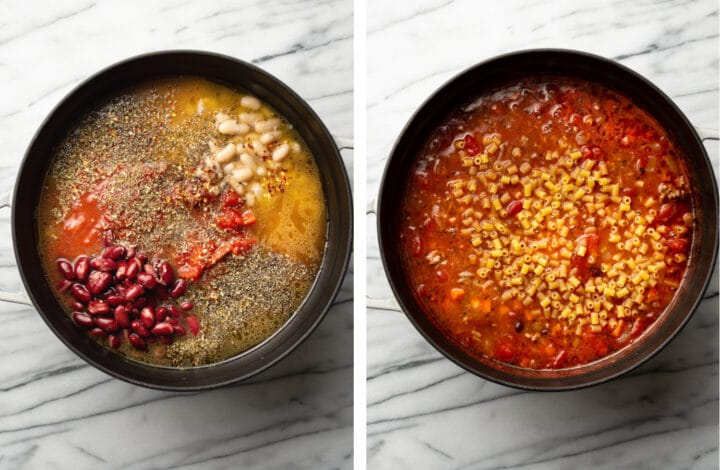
point(547, 224)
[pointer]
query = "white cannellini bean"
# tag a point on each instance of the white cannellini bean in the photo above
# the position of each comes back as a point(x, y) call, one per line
point(260, 171)
point(243, 147)
point(267, 125)
point(226, 154)
point(270, 137)
point(220, 117)
point(236, 185)
point(281, 152)
point(250, 199)
point(260, 149)
point(250, 118)
point(295, 147)
point(243, 174)
point(229, 168)
point(231, 127)
point(250, 102)
point(248, 161)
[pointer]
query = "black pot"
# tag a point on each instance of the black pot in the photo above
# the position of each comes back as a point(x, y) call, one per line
point(235, 74)
point(471, 83)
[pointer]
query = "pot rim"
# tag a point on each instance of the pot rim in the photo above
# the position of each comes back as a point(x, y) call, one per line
point(328, 294)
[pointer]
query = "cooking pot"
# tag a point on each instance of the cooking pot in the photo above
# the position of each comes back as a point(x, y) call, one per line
point(484, 76)
point(235, 74)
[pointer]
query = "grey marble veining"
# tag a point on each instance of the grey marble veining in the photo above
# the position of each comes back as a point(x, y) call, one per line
point(58, 412)
point(424, 411)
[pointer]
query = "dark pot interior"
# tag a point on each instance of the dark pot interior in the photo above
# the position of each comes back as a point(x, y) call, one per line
point(238, 75)
point(469, 84)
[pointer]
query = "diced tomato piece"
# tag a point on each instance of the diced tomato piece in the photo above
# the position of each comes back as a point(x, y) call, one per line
point(471, 145)
point(678, 244)
point(230, 198)
point(241, 245)
point(504, 351)
point(248, 217)
point(579, 262)
point(189, 271)
point(653, 294)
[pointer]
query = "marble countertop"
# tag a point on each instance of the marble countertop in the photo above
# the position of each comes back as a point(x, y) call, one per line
point(424, 411)
point(56, 411)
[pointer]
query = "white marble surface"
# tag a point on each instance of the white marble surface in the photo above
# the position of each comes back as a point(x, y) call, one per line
point(425, 412)
point(58, 412)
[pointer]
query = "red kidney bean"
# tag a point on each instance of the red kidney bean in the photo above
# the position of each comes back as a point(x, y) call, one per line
point(193, 324)
point(162, 328)
point(107, 324)
point(83, 319)
point(103, 264)
point(514, 207)
point(114, 252)
point(98, 281)
point(66, 268)
point(81, 293)
point(121, 316)
point(142, 257)
point(133, 268)
point(98, 332)
point(150, 269)
point(172, 321)
point(178, 288)
point(137, 342)
point(114, 341)
point(134, 291)
point(115, 299)
point(64, 285)
point(166, 273)
point(76, 305)
point(148, 317)
point(82, 268)
point(179, 330)
point(187, 305)
point(160, 313)
point(139, 328)
point(174, 311)
point(168, 340)
point(98, 307)
point(121, 270)
point(130, 252)
point(146, 279)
